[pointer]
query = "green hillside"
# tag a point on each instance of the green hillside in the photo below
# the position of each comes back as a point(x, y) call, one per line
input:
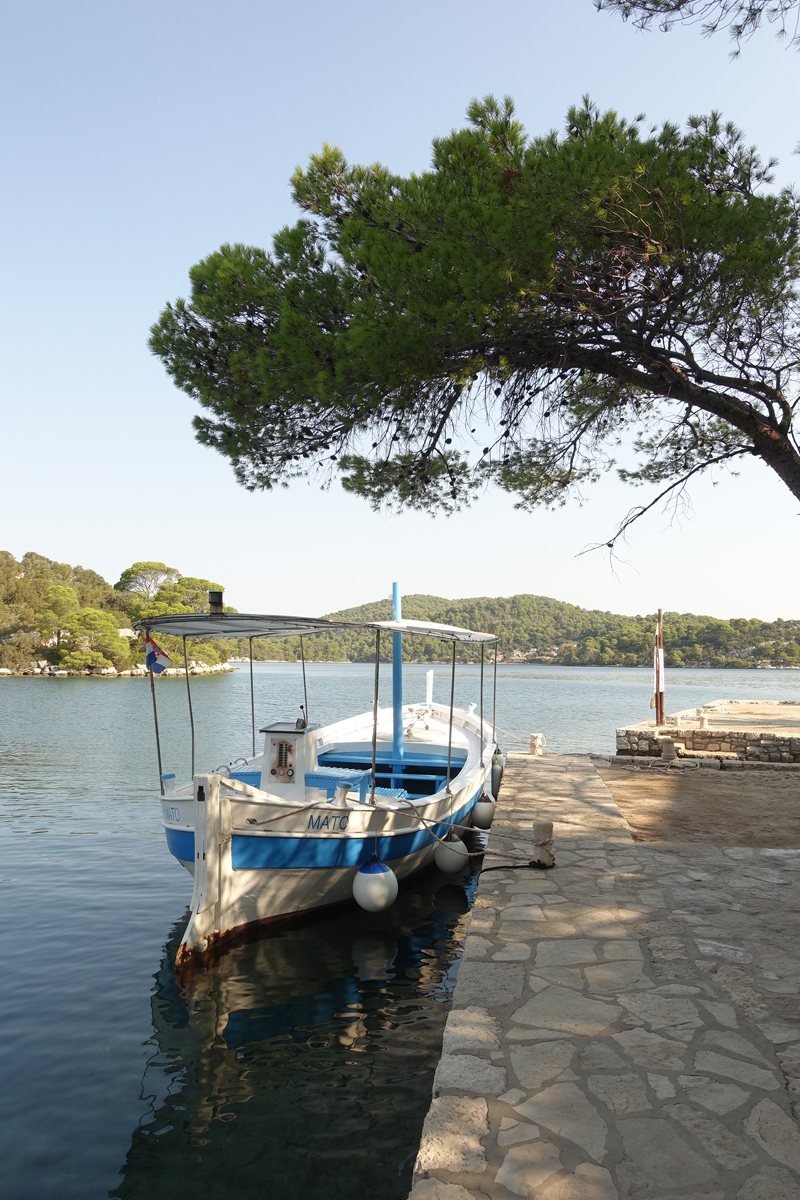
point(71, 616)
point(540, 629)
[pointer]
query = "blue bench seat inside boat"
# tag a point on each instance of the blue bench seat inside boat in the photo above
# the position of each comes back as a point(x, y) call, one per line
point(329, 778)
point(419, 774)
point(251, 778)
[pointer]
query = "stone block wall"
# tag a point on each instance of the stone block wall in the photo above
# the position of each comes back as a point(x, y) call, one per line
point(745, 744)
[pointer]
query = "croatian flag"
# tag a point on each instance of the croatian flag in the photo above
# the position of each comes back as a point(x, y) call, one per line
point(155, 657)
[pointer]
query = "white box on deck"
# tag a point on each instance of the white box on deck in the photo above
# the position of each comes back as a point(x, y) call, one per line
point(289, 753)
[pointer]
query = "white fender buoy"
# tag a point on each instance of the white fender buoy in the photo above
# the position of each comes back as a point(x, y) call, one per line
point(497, 772)
point(375, 886)
point(483, 811)
point(451, 854)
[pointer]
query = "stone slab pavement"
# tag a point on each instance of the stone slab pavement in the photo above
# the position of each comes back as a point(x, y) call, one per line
point(624, 1025)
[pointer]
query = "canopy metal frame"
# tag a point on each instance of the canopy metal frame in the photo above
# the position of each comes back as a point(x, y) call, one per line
point(252, 699)
point(189, 694)
point(483, 649)
point(158, 739)
point(305, 687)
point(251, 625)
point(494, 699)
point(375, 712)
point(450, 726)
point(257, 625)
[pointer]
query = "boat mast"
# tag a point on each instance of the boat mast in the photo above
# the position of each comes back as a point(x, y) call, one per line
point(397, 680)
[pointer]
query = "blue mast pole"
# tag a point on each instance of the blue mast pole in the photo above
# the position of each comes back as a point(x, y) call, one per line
point(397, 680)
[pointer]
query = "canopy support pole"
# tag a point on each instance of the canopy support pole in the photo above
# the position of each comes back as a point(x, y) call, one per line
point(450, 732)
point(375, 711)
point(189, 694)
point(158, 739)
point(494, 696)
point(397, 682)
point(482, 655)
point(305, 689)
point(252, 699)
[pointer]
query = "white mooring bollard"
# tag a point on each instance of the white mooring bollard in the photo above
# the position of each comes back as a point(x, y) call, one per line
point(668, 751)
point(543, 852)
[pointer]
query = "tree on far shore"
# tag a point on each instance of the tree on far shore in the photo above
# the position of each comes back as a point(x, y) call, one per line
point(512, 316)
point(58, 604)
point(184, 594)
point(145, 578)
point(41, 599)
point(92, 639)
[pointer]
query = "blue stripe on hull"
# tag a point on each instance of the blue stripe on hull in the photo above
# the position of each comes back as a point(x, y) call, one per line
point(180, 842)
point(263, 853)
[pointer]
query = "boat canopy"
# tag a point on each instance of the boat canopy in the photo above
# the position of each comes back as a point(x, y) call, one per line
point(247, 625)
point(442, 633)
point(236, 625)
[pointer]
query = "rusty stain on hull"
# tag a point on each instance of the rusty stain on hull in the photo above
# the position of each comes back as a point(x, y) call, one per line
point(193, 960)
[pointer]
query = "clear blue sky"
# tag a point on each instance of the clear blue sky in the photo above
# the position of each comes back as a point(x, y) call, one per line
point(136, 138)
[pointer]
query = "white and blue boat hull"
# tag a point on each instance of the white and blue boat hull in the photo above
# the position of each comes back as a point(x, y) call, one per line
point(259, 858)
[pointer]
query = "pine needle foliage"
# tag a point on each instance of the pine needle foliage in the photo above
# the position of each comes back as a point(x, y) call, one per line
point(510, 316)
point(740, 17)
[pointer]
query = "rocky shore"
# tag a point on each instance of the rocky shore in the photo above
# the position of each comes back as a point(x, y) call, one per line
point(43, 667)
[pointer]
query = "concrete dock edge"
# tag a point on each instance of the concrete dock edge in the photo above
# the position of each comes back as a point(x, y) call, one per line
point(624, 1025)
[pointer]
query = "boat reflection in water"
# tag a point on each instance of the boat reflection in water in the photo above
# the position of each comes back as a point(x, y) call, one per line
point(301, 1065)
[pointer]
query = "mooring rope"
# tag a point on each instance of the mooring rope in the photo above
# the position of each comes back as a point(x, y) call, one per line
point(682, 765)
point(452, 825)
point(509, 734)
point(401, 805)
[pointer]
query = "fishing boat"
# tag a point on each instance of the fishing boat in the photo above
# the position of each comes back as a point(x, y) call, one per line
point(319, 814)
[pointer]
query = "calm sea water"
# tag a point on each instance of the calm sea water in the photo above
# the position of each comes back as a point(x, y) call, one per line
point(300, 1066)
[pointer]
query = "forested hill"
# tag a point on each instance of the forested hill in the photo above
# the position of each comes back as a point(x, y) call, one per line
point(540, 629)
point(72, 617)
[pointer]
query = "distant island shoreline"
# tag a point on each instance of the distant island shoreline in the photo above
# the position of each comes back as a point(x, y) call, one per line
point(56, 619)
point(54, 672)
point(228, 668)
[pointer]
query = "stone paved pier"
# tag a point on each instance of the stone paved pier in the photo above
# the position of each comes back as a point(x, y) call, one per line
point(625, 1025)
